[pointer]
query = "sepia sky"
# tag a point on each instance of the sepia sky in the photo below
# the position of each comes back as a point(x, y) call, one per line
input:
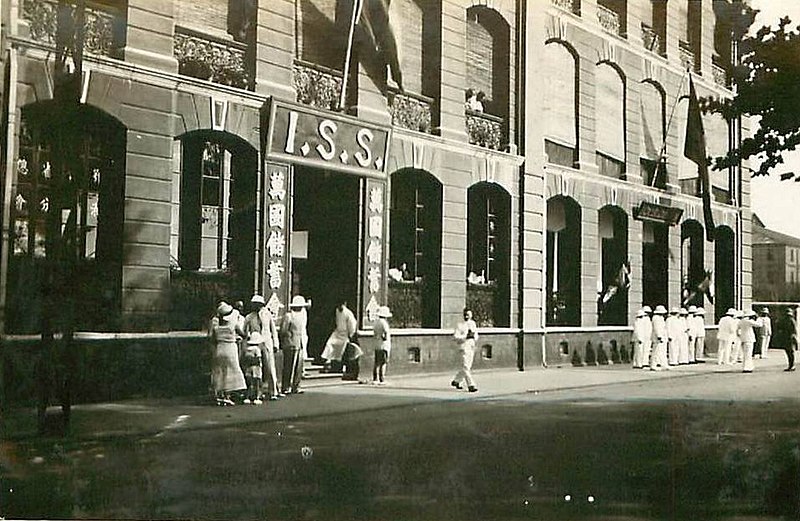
point(776, 202)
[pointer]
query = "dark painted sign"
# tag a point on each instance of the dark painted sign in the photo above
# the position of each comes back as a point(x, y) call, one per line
point(657, 213)
point(313, 137)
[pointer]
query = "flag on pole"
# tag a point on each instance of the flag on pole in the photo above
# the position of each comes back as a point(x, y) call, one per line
point(373, 18)
point(621, 282)
point(695, 150)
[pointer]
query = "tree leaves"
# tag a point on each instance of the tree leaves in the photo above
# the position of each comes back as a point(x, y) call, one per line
point(767, 90)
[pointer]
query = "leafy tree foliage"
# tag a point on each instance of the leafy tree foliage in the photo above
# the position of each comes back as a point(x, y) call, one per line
point(767, 87)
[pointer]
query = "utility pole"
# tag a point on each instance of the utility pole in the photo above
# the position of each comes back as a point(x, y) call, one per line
point(57, 364)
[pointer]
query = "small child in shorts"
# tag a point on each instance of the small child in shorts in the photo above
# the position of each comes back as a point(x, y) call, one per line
point(383, 336)
point(251, 365)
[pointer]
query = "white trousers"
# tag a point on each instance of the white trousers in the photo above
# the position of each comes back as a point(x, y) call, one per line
point(764, 345)
point(683, 349)
point(747, 347)
point(736, 352)
point(659, 355)
point(673, 350)
point(699, 348)
point(641, 352)
point(724, 352)
point(466, 356)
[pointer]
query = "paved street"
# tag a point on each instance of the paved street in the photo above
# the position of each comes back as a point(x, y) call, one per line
point(697, 442)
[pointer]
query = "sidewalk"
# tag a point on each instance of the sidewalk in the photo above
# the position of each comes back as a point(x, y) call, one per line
point(157, 417)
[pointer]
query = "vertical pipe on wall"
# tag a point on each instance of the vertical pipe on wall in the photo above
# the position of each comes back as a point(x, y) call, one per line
point(520, 131)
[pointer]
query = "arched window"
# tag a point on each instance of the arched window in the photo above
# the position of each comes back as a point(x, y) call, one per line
point(653, 117)
point(693, 271)
point(716, 132)
point(655, 264)
point(488, 76)
point(614, 268)
point(610, 136)
point(724, 270)
point(488, 253)
point(81, 153)
point(563, 262)
point(217, 214)
point(560, 106)
point(415, 249)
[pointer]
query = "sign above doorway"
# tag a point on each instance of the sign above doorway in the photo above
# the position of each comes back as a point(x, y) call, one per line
point(657, 213)
point(304, 135)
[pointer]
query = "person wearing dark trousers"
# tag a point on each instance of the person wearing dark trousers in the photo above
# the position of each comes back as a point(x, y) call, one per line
point(789, 330)
point(291, 334)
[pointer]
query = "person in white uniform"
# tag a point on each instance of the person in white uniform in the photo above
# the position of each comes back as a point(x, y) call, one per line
point(736, 348)
point(726, 334)
point(648, 347)
point(698, 333)
point(683, 353)
point(465, 334)
point(674, 332)
point(346, 326)
point(658, 357)
point(747, 325)
point(642, 338)
point(765, 333)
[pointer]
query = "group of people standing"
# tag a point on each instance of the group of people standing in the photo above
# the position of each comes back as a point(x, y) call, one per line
point(662, 339)
point(244, 349)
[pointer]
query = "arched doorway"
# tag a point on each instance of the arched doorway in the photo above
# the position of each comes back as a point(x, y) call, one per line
point(655, 264)
point(71, 160)
point(725, 270)
point(563, 262)
point(612, 308)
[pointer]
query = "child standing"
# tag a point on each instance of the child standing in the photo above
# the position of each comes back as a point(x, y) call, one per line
point(383, 335)
point(251, 364)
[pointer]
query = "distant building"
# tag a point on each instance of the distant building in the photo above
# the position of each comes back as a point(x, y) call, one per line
point(776, 265)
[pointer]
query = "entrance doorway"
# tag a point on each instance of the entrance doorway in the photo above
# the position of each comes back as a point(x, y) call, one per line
point(325, 253)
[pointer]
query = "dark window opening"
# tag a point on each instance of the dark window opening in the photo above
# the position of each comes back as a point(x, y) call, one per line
point(692, 266)
point(560, 154)
point(610, 166)
point(613, 16)
point(81, 153)
point(694, 32)
point(654, 173)
point(655, 264)
point(489, 254)
point(724, 271)
point(414, 355)
point(486, 352)
point(415, 248)
point(612, 304)
point(563, 268)
point(654, 34)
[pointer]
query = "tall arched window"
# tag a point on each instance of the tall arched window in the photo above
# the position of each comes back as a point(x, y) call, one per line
point(563, 262)
point(488, 77)
point(415, 249)
point(614, 268)
point(724, 270)
point(692, 267)
point(489, 253)
point(560, 106)
point(83, 150)
point(716, 131)
point(610, 136)
point(655, 264)
point(217, 230)
point(653, 117)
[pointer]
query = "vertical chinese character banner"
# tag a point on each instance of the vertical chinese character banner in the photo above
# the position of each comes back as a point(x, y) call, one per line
point(276, 236)
point(375, 240)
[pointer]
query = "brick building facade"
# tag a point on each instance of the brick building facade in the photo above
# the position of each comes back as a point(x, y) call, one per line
point(216, 163)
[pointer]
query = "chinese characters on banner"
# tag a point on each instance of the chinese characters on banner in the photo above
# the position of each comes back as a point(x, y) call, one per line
point(373, 284)
point(276, 249)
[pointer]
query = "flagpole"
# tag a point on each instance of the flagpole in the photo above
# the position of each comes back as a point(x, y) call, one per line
point(357, 6)
point(666, 131)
